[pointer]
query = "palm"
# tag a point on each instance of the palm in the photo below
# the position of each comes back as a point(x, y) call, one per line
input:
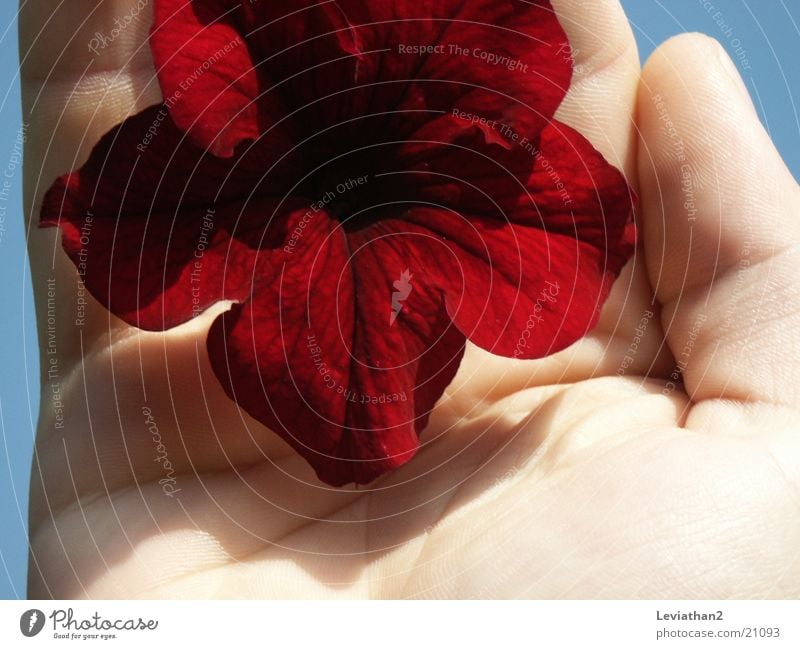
point(571, 476)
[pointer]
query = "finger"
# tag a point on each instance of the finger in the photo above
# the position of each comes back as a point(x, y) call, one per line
point(602, 94)
point(720, 227)
point(84, 68)
point(601, 104)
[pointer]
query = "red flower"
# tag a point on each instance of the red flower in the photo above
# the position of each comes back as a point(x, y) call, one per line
point(371, 183)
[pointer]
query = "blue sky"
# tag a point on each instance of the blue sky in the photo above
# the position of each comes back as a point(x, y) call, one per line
point(761, 36)
point(19, 389)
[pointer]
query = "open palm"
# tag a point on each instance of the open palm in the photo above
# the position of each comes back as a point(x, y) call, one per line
point(593, 473)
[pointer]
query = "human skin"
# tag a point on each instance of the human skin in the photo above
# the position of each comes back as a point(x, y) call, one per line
point(580, 475)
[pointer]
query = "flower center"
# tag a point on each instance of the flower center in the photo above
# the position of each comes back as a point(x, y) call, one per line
point(357, 187)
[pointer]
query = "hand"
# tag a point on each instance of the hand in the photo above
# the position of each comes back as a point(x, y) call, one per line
point(591, 473)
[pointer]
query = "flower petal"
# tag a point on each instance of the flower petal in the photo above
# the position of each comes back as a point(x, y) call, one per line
point(305, 49)
point(338, 62)
point(318, 357)
point(507, 61)
point(537, 234)
point(207, 74)
point(154, 225)
point(558, 182)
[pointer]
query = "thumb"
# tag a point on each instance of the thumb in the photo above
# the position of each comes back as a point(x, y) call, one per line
point(720, 228)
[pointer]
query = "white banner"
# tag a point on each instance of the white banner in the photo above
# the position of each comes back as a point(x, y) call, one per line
point(386, 625)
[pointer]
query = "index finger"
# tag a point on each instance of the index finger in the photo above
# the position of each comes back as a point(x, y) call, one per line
point(85, 66)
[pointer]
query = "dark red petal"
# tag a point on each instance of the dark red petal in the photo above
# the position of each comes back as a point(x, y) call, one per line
point(517, 291)
point(522, 83)
point(207, 75)
point(146, 163)
point(291, 37)
point(318, 339)
point(149, 223)
point(558, 182)
point(305, 50)
point(528, 272)
point(335, 63)
point(161, 270)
